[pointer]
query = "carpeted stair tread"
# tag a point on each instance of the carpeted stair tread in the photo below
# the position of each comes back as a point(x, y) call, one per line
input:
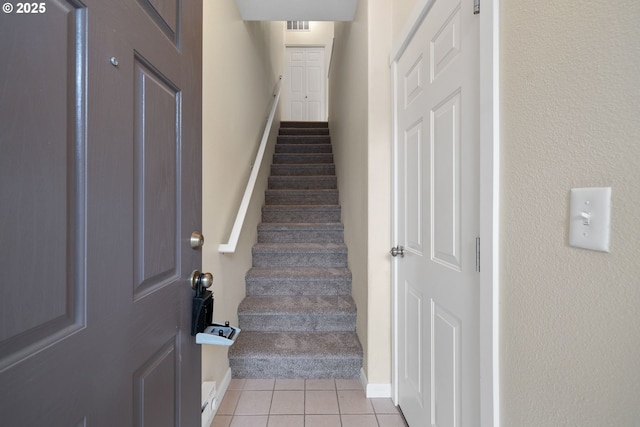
point(297, 313)
point(325, 182)
point(286, 305)
point(325, 226)
point(303, 124)
point(322, 169)
point(296, 254)
point(301, 213)
point(301, 197)
point(320, 142)
point(291, 345)
point(303, 131)
point(298, 281)
point(296, 355)
point(280, 248)
point(302, 158)
point(277, 232)
point(310, 274)
point(303, 148)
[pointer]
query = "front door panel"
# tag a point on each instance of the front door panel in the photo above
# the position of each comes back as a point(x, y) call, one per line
point(100, 191)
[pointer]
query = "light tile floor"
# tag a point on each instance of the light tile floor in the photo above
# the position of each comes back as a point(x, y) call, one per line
point(303, 403)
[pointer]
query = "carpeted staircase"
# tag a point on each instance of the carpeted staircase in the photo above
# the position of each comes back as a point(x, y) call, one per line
point(298, 319)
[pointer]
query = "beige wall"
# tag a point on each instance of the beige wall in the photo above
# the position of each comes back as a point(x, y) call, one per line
point(570, 318)
point(361, 131)
point(241, 62)
point(348, 101)
point(379, 189)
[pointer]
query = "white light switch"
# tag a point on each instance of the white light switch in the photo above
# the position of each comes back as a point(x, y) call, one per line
point(590, 218)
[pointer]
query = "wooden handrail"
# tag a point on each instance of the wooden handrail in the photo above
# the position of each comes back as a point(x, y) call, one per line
point(230, 246)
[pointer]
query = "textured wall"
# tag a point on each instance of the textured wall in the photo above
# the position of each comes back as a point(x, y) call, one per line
point(570, 322)
point(241, 63)
point(360, 117)
point(348, 101)
point(379, 180)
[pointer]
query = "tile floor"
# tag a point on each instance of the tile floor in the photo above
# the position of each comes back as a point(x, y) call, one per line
point(303, 403)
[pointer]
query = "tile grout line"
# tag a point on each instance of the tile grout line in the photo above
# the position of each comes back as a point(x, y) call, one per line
point(334, 386)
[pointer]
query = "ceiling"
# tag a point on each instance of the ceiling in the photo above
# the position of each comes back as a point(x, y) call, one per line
point(297, 10)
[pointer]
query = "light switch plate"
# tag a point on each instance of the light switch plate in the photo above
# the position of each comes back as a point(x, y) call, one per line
point(590, 218)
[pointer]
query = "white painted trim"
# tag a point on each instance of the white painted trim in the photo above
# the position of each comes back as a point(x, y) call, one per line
point(224, 385)
point(374, 390)
point(230, 246)
point(490, 213)
point(394, 236)
point(286, 95)
point(489, 205)
point(416, 17)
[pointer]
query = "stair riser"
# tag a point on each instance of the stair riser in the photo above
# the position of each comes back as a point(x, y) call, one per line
point(309, 215)
point(262, 287)
point(303, 125)
point(306, 259)
point(303, 170)
point(298, 323)
point(304, 140)
point(304, 131)
point(302, 368)
point(302, 183)
point(300, 236)
point(309, 197)
point(301, 159)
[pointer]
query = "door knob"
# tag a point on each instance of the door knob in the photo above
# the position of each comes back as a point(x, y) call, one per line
point(201, 280)
point(397, 250)
point(197, 240)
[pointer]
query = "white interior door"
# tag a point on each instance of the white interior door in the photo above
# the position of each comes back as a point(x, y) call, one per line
point(437, 184)
point(305, 84)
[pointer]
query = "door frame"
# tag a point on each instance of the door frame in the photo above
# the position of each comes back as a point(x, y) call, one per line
point(489, 204)
point(286, 94)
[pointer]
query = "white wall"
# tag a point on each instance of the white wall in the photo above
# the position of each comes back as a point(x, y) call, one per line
point(570, 118)
point(240, 67)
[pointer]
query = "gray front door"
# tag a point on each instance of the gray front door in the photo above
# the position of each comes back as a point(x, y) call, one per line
point(100, 133)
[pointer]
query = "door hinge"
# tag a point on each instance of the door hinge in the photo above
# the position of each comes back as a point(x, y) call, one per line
point(476, 7)
point(477, 255)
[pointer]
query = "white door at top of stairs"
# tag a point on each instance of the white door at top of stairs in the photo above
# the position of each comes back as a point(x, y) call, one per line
point(305, 84)
point(436, 184)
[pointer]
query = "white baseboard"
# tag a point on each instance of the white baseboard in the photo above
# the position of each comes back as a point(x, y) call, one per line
point(374, 390)
point(220, 391)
